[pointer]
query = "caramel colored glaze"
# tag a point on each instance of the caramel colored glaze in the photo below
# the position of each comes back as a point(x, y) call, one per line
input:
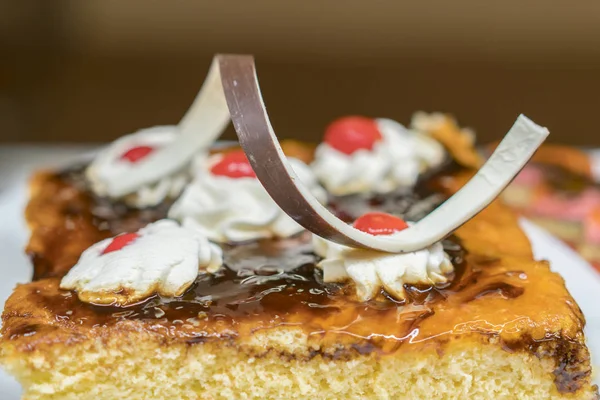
point(59, 217)
point(458, 141)
point(270, 284)
point(494, 232)
point(569, 158)
point(498, 293)
point(65, 219)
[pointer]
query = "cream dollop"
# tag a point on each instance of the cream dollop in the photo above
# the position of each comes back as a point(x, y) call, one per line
point(371, 271)
point(164, 259)
point(237, 209)
point(109, 165)
point(395, 161)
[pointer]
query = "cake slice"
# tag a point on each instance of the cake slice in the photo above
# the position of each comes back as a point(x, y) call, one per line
point(267, 326)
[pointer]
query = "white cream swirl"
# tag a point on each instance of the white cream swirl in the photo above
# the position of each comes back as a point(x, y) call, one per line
point(395, 161)
point(237, 209)
point(109, 165)
point(164, 258)
point(371, 271)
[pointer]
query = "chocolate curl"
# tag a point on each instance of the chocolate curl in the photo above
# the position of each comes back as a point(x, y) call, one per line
point(257, 138)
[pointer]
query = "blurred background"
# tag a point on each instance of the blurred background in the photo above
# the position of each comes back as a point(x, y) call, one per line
point(90, 71)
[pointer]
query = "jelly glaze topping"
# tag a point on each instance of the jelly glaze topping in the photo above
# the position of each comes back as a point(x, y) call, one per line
point(276, 283)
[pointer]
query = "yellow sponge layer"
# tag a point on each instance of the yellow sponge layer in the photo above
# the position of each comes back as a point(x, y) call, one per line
point(146, 369)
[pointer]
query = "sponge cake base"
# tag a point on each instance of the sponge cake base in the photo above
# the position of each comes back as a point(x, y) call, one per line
point(140, 367)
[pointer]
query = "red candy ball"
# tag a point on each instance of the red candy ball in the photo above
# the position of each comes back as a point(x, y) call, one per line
point(120, 241)
point(234, 164)
point(135, 154)
point(349, 134)
point(378, 223)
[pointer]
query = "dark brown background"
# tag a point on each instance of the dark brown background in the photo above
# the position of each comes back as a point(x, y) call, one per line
point(91, 71)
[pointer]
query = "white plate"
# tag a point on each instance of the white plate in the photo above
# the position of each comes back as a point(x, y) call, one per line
point(17, 163)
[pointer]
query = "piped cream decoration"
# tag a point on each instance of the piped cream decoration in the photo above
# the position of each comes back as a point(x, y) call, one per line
point(237, 209)
point(395, 161)
point(109, 166)
point(165, 259)
point(370, 270)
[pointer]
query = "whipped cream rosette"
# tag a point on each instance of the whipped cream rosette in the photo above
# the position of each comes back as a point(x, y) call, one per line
point(361, 154)
point(162, 258)
point(122, 156)
point(371, 271)
point(229, 204)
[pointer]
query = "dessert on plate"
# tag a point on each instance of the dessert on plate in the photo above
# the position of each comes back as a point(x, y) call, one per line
point(558, 191)
point(198, 286)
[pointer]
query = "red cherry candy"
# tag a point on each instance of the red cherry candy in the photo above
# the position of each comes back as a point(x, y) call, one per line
point(378, 223)
point(135, 154)
point(349, 134)
point(120, 241)
point(234, 164)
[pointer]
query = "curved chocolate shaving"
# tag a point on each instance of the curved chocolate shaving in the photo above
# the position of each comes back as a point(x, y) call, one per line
point(257, 138)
